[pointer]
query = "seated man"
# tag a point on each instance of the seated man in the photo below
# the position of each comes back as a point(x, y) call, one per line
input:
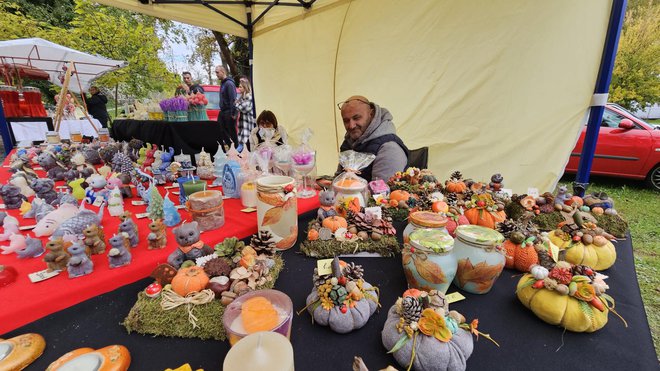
point(369, 129)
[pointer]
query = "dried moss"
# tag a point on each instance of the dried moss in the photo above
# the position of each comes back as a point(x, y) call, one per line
point(514, 210)
point(147, 318)
point(387, 246)
point(548, 222)
point(612, 224)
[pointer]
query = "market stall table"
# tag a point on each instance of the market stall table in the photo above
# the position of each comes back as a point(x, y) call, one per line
point(188, 137)
point(526, 343)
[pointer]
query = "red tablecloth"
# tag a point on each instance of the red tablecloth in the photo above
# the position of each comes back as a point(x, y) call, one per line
point(23, 301)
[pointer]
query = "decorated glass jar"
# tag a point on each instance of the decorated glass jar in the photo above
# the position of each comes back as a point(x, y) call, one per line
point(350, 192)
point(52, 137)
point(104, 135)
point(424, 219)
point(480, 258)
point(428, 260)
point(277, 209)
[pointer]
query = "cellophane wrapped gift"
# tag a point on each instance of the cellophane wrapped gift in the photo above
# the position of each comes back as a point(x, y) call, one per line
point(351, 189)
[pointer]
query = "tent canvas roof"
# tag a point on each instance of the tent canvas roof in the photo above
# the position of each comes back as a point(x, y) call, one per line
point(51, 58)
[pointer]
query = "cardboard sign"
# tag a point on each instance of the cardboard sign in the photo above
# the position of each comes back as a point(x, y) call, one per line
point(534, 192)
point(324, 266)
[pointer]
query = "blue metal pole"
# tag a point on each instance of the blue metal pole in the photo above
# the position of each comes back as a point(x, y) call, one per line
point(4, 130)
point(602, 87)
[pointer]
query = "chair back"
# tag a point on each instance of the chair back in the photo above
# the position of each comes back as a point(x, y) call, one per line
point(419, 158)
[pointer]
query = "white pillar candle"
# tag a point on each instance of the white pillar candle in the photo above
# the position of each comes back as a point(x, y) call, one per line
point(260, 351)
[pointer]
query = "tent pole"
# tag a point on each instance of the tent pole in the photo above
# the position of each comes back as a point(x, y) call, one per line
point(4, 130)
point(250, 31)
point(600, 96)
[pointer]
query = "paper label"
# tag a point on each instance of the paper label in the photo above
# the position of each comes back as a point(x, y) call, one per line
point(213, 186)
point(375, 212)
point(534, 192)
point(179, 207)
point(225, 197)
point(508, 191)
point(175, 192)
point(3, 206)
point(7, 166)
point(42, 275)
point(171, 186)
point(138, 203)
point(324, 266)
point(554, 252)
point(26, 227)
point(37, 168)
point(98, 202)
point(61, 187)
point(249, 210)
point(141, 215)
point(454, 297)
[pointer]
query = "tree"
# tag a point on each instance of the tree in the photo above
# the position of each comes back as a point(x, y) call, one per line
point(234, 52)
point(206, 48)
point(636, 74)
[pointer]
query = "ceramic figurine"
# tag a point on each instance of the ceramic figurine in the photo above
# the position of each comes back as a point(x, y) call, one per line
point(51, 221)
point(219, 161)
point(56, 258)
point(21, 181)
point(45, 189)
point(80, 264)
point(115, 202)
point(327, 209)
point(75, 225)
point(10, 225)
point(125, 188)
point(151, 149)
point(171, 214)
point(16, 242)
point(129, 227)
point(57, 173)
point(496, 182)
point(119, 254)
point(3, 215)
point(76, 189)
point(204, 165)
point(158, 236)
point(33, 248)
point(67, 198)
point(94, 239)
point(96, 188)
point(12, 196)
point(79, 163)
point(92, 156)
point(190, 246)
point(562, 195)
point(158, 159)
point(121, 163)
point(107, 153)
point(142, 155)
point(47, 160)
point(39, 208)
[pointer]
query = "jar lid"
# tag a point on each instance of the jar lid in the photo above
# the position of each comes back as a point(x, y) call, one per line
point(428, 219)
point(479, 235)
point(433, 239)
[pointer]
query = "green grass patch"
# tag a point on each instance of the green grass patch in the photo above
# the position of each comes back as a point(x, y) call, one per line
point(640, 207)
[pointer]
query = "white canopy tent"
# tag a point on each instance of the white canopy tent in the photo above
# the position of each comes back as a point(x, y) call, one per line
point(488, 86)
point(51, 58)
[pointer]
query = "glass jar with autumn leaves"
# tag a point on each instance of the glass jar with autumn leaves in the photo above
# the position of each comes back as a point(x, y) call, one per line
point(480, 258)
point(428, 260)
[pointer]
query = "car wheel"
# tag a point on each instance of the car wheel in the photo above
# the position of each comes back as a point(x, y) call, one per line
point(653, 179)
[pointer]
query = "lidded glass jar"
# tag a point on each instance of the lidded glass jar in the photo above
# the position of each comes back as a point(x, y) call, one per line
point(428, 260)
point(480, 258)
point(424, 219)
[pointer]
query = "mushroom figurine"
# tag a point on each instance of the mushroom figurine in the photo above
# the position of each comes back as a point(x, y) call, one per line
point(153, 290)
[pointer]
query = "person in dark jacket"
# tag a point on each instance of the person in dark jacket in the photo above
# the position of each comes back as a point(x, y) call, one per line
point(188, 87)
point(96, 106)
point(228, 113)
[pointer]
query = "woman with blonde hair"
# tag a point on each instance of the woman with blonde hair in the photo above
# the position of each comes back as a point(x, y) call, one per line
point(246, 121)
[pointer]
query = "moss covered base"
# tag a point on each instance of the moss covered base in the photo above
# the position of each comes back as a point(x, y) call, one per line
point(387, 246)
point(548, 222)
point(148, 318)
point(613, 224)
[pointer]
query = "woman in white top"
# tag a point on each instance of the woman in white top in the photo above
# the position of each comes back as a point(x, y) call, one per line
point(267, 122)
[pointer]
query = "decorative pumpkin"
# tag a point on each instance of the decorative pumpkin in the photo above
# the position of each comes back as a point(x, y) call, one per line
point(520, 256)
point(191, 279)
point(563, 310)
point(399, 195)
point(575, 200)
point(334, 222)
point(345, 318)
point(597, 210)
point(440, 207)
point(600, 255)
point(484, 218)
point(313, 234)
point(430, 353)
point(455, 186)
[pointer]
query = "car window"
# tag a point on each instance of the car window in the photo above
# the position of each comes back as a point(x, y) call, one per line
point(214, 100)
point(611, 119)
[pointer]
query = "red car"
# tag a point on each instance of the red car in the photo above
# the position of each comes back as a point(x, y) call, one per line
point(212, 94)
point(627, 147)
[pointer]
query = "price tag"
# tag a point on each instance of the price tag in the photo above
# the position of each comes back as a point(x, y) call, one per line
point(138, 203)
point(3, 206)
point(26, 227)
point(375, 212)
point(213, 186)
point(42, 275)
point(175, 192)
point(141, 215)
point(508, 191)
point(171, 186)
point(7, 166)
point(454, 297)
point(37, 168)
point(225, 197)
point(98, 202)
point(61, 187)
point(534, 192)
point(554, 252)
point(324, 266)
point(179, 207)
point(249, 210)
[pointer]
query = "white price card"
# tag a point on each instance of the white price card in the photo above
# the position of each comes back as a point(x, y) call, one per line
point(324, 266)
point(42, 275)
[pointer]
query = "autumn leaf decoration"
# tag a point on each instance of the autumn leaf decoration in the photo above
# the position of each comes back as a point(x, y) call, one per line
point(433, 324)
point(481, 275)
point(428, 270)
point(274, 214)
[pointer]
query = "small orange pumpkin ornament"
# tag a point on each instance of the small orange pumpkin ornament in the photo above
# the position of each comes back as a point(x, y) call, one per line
point(399, 195)
point(455, 184)
point(313, 234)
point(191, 279)
point(334, 222)
point(519, 257)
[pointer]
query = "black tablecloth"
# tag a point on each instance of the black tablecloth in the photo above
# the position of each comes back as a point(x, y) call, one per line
point(189, 136)
point(526, 343)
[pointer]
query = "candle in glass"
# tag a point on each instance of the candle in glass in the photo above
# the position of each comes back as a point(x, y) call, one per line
point(260, 351)
point(192, 186)
point(238, 326)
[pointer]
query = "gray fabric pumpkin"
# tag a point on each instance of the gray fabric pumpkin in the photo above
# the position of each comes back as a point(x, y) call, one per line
point(353, 319)
point(430, 354)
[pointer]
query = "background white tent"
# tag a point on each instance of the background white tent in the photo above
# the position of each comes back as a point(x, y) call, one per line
point(50, 57)
point(487, 86)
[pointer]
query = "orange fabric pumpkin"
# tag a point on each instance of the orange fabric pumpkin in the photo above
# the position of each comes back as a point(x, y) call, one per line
point(577, 200)
point(520, 258)
point(313, 235)
point(455, 186)
point(484, 217)
point(334, 222)
point(191, 279)
point(399, 195)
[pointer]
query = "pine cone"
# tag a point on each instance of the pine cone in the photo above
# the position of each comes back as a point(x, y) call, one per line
point(424, 202)
point(545, 260)
point(456, 175)
point(451, 199)
point(583, 270)
point(507, 227)
point(361, 222)
point(319, 280)
point(384, 227)
point(412, 309)
point(353, 272)
point(262, 242)
point(217, 267)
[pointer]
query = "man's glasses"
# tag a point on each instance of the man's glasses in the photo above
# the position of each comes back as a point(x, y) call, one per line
point(350, 100)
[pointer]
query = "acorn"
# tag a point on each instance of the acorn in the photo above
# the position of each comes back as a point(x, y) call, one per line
point(587, 239)
point(353, 229)
point(517, 238)
point(362, 235)
point(376, 236)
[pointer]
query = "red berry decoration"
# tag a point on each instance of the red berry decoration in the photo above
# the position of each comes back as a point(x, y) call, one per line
point(538, 284)
point(341, 280)
point(288, 188)
point(589, 271)
point(577, 238)
point(153, 290)
point(344, 309)
point(481, 203)
point(412, 249)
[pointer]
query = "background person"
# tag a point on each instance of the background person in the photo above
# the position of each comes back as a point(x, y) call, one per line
point(188, 87)
point(96, 106)
point(246, 120)
point(267, 122)
point(228, 113)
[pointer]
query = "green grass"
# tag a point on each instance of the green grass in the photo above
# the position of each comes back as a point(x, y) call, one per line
point(653, 121)
point(640, 207)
